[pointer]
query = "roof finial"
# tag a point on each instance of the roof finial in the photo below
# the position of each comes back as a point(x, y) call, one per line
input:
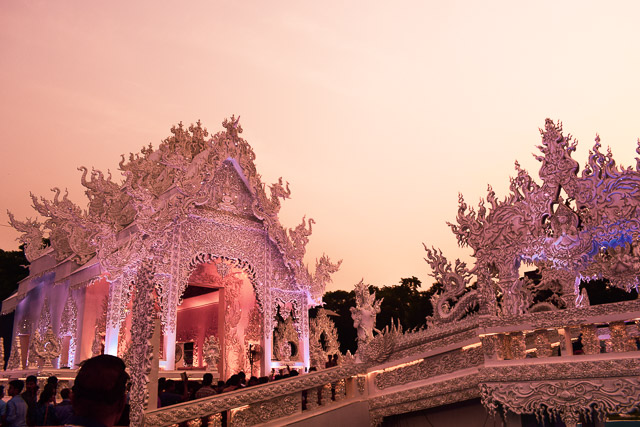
point(233, 126)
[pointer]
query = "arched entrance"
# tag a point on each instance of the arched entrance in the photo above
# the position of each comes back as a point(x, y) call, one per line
point(219, 301)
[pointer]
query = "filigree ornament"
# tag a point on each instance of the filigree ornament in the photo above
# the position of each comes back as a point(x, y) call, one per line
point(32, 236)
point(69, 327)
point(323, 339)
point(266, 411)
point(44, 322)
point(47, 347)
point(430, 367)
point(15, 357)
point(142, 326)
point(211, 352)
point(286, 340)
point(570, 400)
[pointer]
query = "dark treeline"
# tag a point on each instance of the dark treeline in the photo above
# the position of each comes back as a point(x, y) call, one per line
point(404, 303)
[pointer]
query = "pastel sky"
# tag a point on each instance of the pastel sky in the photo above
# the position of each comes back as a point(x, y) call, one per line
point(378, 113)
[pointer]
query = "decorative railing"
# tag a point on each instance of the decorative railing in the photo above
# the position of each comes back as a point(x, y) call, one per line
point(611, 328)
point(481, 356)
point(308, 393)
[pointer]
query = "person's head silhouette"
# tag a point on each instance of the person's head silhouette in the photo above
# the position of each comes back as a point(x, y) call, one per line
point(99, 390)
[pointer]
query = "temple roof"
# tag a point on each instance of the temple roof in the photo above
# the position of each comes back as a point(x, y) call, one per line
point(162, 187)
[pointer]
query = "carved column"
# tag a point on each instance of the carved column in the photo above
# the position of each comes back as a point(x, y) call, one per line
point(113, 317)
point(518, 345)
point(304, 338)
point(267, 334)
point(142, 351)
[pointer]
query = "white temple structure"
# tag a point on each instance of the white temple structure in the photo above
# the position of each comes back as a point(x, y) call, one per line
point(191, 241)
point(193, 217)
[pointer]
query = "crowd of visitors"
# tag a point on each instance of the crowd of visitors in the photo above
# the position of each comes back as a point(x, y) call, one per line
point(171, 392)
point(99, 394)
point(97, 399)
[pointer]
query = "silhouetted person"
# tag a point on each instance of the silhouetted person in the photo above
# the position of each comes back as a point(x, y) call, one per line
point(45, 409)
point(99, 391)
point(53, 380)
point(16, 415)
point(64, 409)
point(30, 396)
point(170, 396)
point(233, 383)
point(206, 389)
point(328, 363)
point(3, 404)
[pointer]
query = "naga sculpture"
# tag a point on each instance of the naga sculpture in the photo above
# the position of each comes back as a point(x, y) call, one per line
point(457, 299)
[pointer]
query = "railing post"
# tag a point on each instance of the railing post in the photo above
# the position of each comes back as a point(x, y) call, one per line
point(590, 340)
point(619, 338)
point(351, 387)
point(568, 345)
point(543, 345)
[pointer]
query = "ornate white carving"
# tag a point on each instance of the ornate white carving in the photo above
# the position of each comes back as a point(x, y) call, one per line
point(322, 330)
point(364, 313)
point(32, 237)
point(69, 326)
point(142, 325)
point(456, 300)
point(430, 367)
point(192, 195)
point(15, 357)
point(47, 347)
point(211, 352)
point(569, 399)
point(284, 335)
point(592, 234)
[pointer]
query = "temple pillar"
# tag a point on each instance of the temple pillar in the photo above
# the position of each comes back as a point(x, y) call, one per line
point(169, 345)
point(152, 402)
point(267, 350)
point(111, 339)
point(305, 349)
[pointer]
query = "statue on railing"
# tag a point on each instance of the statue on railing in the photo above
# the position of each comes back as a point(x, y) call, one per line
point(364, 313)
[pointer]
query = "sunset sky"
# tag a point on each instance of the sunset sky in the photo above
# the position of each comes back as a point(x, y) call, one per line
point(377, 113)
